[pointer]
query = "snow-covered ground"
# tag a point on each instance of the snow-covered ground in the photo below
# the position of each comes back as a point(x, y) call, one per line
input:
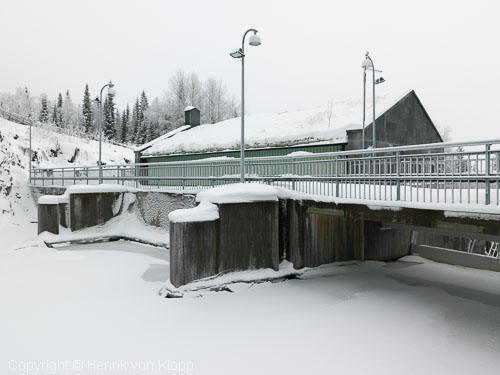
point(16, 140)
point(98, 305)
point(98, 309)
point(16, 205)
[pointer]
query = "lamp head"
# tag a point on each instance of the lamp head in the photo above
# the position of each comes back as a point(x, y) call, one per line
point(237, 53)
point(111, 91)
point(366, 64)
point(254, 40)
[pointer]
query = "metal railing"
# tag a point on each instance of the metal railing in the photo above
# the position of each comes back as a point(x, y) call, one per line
point(452, 173)
point(17, 118)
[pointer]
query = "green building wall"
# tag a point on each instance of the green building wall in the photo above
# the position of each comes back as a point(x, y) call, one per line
point(249, 153)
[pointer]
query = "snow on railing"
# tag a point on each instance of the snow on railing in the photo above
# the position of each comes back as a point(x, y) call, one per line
point(467, 172)
point(17, 118)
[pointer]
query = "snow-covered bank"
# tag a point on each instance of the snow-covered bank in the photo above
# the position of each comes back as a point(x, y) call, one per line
point(127, 225)
point(49, 150)
point(99, 303)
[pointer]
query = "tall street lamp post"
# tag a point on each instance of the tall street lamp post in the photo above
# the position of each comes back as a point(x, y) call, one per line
point(111, 91)
point(367, 64)
point(30, 121)
point(240, 54)
point(363, 65)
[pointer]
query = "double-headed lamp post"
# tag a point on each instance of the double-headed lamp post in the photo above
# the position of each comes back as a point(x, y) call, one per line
point(240, 54)
point(368, 64)
point(363, 65)
point(111, 91)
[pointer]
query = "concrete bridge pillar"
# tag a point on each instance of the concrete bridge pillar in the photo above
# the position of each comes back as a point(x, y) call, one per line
point(225, 233)
point(48, 214)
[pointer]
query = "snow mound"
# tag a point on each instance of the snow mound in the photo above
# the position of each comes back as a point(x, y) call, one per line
point(205, 211)
point(238, 193)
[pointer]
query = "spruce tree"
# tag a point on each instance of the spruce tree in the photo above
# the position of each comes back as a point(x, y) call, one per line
point(59, 116)
point(144, 102)
point(144, 127)
point(54, 114)
point(117, 125)
point(125, 125)
point(44, 111)
point(87, 110)
point(109, 117)
point(67, 111)
point(135, 121)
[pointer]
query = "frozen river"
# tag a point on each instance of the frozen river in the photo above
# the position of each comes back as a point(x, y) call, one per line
point(98, 305)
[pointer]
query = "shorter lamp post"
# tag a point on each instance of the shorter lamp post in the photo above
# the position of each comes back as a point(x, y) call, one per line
point(364, 66)
point(29, 173)
point(111, 91)
point(368, 64)
point(240, 54)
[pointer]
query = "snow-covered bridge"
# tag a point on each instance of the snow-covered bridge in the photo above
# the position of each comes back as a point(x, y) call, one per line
point(448, 174)
point(343, 205)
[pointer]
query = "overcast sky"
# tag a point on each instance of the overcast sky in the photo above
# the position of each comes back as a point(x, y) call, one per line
point(311, 51)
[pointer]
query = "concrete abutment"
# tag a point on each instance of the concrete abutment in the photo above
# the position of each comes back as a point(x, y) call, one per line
point(244, 237)
point(255, 235)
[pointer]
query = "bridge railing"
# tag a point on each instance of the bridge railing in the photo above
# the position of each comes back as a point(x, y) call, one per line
point(454, 173)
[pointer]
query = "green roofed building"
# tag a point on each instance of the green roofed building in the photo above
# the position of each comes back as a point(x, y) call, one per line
point(400, 120)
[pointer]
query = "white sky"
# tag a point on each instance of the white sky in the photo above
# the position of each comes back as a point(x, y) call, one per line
point(311, 51)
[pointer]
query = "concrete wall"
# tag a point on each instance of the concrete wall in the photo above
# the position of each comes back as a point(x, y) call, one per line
point(245, 237)
point(48, 218)
point(386, 243)
point(193, 251)
point(249, 236)
point(455, 243)
point(457, 257)
point(154, 207)
point(38, 191)
point(318, 233)
point(405, 123)
point(90, 209)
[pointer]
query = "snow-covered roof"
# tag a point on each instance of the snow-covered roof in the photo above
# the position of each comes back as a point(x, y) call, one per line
point(285, 128)
point(188, 108)
point(161, 138)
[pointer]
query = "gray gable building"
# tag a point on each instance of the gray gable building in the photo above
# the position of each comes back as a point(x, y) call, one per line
point(405, 123)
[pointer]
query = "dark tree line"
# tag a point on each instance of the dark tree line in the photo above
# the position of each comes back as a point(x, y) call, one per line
point(136, 124)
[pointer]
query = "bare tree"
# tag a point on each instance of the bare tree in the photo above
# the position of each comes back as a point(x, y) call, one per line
point(329, 111)
point(215, 104)
point(178, 96)
point(445, 133)
point(194, 90)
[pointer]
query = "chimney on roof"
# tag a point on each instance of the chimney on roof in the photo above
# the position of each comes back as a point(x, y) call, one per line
point(191, 116)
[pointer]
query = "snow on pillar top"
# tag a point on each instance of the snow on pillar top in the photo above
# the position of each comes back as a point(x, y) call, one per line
point(48, 199)
point(205, 211)
point(239, 193)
